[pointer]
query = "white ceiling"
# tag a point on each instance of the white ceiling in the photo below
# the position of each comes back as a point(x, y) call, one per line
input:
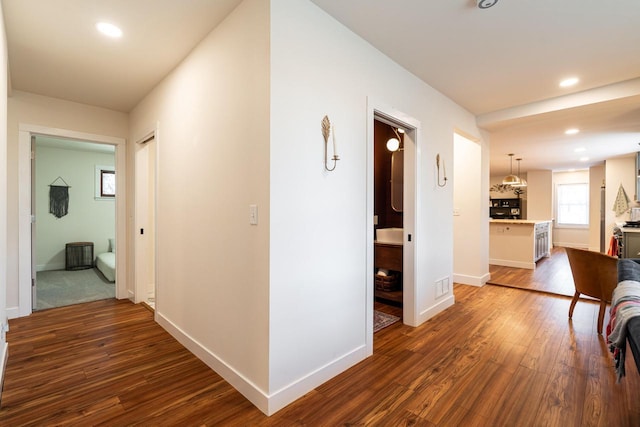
point(55, 50)
point(502, 63)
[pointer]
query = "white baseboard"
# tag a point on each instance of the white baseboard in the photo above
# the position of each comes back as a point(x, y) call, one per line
point(13, 312)
point(515, 264)
point(437, 308)
point(4, 355)
point(471, 280)
point(573, 245)
point(47, 267)
point(267, 403)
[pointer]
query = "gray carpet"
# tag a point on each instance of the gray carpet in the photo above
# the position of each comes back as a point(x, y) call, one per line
point(58, 288)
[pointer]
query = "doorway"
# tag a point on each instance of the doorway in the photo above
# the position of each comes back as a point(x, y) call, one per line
point(145, 221)
point(388, 173)
point(410, 307)
point(25, 218)
point(74, 228)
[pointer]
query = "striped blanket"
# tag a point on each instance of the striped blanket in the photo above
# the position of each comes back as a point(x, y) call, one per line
point(625, 304)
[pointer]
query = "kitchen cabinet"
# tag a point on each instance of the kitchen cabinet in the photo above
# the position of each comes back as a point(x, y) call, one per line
point(505, 208)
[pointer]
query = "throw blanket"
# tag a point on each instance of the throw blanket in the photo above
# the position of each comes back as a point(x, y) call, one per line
point(625, 304)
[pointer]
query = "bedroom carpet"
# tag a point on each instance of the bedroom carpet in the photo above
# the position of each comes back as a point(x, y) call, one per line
point(58, 288)
point(382, 320)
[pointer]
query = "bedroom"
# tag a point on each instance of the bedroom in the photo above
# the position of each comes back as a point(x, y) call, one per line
point(75, 222)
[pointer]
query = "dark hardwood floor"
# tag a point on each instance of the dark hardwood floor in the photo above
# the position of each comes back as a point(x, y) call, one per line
point(499, 357)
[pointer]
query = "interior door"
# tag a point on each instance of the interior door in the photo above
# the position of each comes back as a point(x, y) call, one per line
point(145, 221)
point(34, 289)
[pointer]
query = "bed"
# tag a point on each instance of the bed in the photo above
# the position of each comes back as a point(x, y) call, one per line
point(106, 262)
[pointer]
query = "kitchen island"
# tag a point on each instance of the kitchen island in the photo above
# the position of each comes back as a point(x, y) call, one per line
point(518, 243)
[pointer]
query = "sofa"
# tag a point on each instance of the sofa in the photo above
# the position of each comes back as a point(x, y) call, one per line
point(624, 319)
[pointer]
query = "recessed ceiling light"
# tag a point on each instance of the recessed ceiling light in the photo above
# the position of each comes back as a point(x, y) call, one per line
point(571, 131)
point(584, 159)
point(579, 149)
point(569, 82)
point(109, 30)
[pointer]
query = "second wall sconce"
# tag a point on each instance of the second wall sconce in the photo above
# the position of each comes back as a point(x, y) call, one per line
point(326, 132)
point(444, 171)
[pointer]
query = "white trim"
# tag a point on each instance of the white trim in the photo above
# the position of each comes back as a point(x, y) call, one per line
point(24, 207)
point(140, 292)
point(442, 305)
point(267, 403)
point(515, 264)
point(411, 272)
point(13, 312)
point(471, 280)
point(4, 355)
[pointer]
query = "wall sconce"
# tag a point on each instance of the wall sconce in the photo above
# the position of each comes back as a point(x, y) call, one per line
point(393, 144)
point(486, 4)
point(444, 171)
point(326, 132)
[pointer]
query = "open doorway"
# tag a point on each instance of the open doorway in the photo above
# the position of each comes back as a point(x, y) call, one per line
point(26, 264)
point(73, 203)
point(388, 175)
point(405, 234)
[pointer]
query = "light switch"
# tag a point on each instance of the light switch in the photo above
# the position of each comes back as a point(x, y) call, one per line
point(253, 214)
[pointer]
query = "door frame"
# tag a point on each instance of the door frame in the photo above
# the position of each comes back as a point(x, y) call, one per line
point(140, 289)
point(25, 216)
point(383, 112)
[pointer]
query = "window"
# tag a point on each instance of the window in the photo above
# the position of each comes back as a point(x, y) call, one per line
point(107, 183)
point(572, 204)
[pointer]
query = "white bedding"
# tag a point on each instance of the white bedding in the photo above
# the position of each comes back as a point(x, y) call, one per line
point(106, 263)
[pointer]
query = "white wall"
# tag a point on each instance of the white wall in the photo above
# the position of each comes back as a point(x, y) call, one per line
point(318, 247)
point(27, 108)
point(212, 114)
point(470, 214)
point(4, 277)
point(540, 195)
point(573, 237)
point(88, 219)
point(618, 171)
point(276, 307)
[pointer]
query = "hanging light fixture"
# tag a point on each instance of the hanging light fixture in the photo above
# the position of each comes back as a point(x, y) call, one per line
point(511, 179)
point(393, 144)
point(522, 182)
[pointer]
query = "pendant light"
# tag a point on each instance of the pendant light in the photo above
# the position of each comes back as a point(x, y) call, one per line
point(511, 179)
point(522, 182)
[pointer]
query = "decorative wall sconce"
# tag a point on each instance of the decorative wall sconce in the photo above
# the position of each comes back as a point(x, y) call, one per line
point(444, 171)
point(393, 144)
point(486, 4)
point(326, 132)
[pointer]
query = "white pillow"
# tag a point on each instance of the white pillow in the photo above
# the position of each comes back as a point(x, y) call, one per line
point(112, 245)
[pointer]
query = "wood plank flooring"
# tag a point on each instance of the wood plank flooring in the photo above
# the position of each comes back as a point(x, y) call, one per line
point(552, 275)
point(498, 357)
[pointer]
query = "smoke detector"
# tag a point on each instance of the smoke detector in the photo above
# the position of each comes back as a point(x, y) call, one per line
point(486, 4)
